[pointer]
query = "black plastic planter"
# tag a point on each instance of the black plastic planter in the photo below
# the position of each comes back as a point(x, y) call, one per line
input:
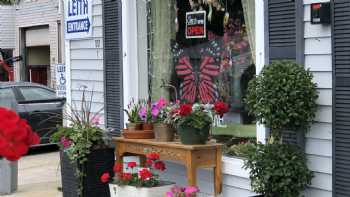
point(99, 161)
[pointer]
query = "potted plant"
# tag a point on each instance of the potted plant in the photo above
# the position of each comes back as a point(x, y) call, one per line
point(16, 136)
point(147, 115)
point(84, 152)
point(163, 131)
point(176, 191)
point(137, 181)
point(133, 115)
point(193, 123)
point(283, 97)
point(277, 170)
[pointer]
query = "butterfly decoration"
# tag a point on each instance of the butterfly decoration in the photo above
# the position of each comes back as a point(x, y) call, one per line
point(197, 68)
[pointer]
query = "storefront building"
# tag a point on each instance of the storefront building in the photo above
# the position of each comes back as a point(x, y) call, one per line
point(139, 47)
point(32, 30)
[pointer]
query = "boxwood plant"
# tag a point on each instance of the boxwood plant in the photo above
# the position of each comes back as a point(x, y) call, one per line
point(283, 96)
point(277, 170)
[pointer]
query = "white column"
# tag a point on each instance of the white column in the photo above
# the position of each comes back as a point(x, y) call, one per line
point(260, 54)
point(130, 52)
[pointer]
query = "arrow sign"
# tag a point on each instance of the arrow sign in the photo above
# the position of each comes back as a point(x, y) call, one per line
point(77, 26)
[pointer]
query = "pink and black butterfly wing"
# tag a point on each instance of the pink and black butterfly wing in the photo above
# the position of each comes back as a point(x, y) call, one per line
point(207, 89)
point(188, 86)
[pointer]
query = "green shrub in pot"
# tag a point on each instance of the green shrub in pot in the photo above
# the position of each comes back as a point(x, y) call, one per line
point(283, 96)
point(277, 170)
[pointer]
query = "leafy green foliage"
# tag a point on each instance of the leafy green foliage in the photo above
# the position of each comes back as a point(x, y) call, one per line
point(240, 150)
point(277, 170)
point(198, 119)
point(283, 96)
point(133, 111)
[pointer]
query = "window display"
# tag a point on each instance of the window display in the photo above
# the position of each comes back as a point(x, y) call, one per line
point(203, 48)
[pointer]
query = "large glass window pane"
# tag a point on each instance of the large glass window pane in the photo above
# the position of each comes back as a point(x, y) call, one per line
point(202, 48)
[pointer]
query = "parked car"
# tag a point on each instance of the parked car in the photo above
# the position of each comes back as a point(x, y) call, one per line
point(38, 104)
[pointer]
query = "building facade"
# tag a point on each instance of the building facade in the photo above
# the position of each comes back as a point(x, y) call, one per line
point(32, 29)
point(113, 65)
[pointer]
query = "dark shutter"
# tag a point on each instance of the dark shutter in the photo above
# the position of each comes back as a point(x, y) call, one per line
point(341, 121)
point(282, 29)
point(112, 14)
point(285, 42)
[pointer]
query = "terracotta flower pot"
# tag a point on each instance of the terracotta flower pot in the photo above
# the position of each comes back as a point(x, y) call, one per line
point(163, 132)
point(130, 191)
point(138, 134)
point(134, 126)
point(147, 126)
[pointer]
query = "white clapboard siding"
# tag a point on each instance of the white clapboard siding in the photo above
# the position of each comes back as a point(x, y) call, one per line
point(318, 147)
point(7, 27)
point(86, 63)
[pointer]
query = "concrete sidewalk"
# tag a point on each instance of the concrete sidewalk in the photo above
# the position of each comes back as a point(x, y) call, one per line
point(39, 176)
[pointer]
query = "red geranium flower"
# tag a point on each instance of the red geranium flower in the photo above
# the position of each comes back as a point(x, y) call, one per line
point(145, 174)
point(159, 165)
point(132, 164)
point(16, 136)
point(149, 162)
point(153, 156)
point(118, 168)
point(126, 176)
point(185, 109)
point(105, 177)
point(221, 108)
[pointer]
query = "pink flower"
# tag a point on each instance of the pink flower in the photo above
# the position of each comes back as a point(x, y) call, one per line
point(143, 113)
point(169, 194)
point(191, 190)
point(155, 112)
point(161, 103)
point(96, 120)
point(66, 142)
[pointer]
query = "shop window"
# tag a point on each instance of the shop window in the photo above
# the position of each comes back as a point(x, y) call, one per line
point(204, 49)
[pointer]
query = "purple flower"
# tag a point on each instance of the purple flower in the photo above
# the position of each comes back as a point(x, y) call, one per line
point(66, 142)
point(161, 102)
point(155, 112)
point(143, 113)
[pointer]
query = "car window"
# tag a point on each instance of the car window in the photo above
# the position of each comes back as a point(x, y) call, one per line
point(7, 98)
point(36, 93)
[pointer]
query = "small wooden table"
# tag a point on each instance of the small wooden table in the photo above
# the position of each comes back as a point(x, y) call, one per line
point(192, 156)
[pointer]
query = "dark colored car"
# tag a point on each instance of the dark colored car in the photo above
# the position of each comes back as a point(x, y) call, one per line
point(38, 104)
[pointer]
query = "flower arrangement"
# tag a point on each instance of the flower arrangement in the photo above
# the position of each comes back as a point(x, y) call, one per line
point(189, 191)
point(137, 176)
point(16, 136)
point(197, 115)
point(82, 137)
point(153, 112)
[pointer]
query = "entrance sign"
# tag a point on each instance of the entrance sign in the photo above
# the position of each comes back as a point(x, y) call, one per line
point(196, 24)
point(61, 81)
point(78, 19)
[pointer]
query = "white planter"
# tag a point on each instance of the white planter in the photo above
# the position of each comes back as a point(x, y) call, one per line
point(130, 191)
point(8, 176)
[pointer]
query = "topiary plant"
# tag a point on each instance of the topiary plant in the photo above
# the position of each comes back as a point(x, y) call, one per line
point(283, 96)
point(277, 170)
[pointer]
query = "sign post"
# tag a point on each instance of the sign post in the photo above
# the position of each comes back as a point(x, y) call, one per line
point(78, 19)
point(61, 81)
